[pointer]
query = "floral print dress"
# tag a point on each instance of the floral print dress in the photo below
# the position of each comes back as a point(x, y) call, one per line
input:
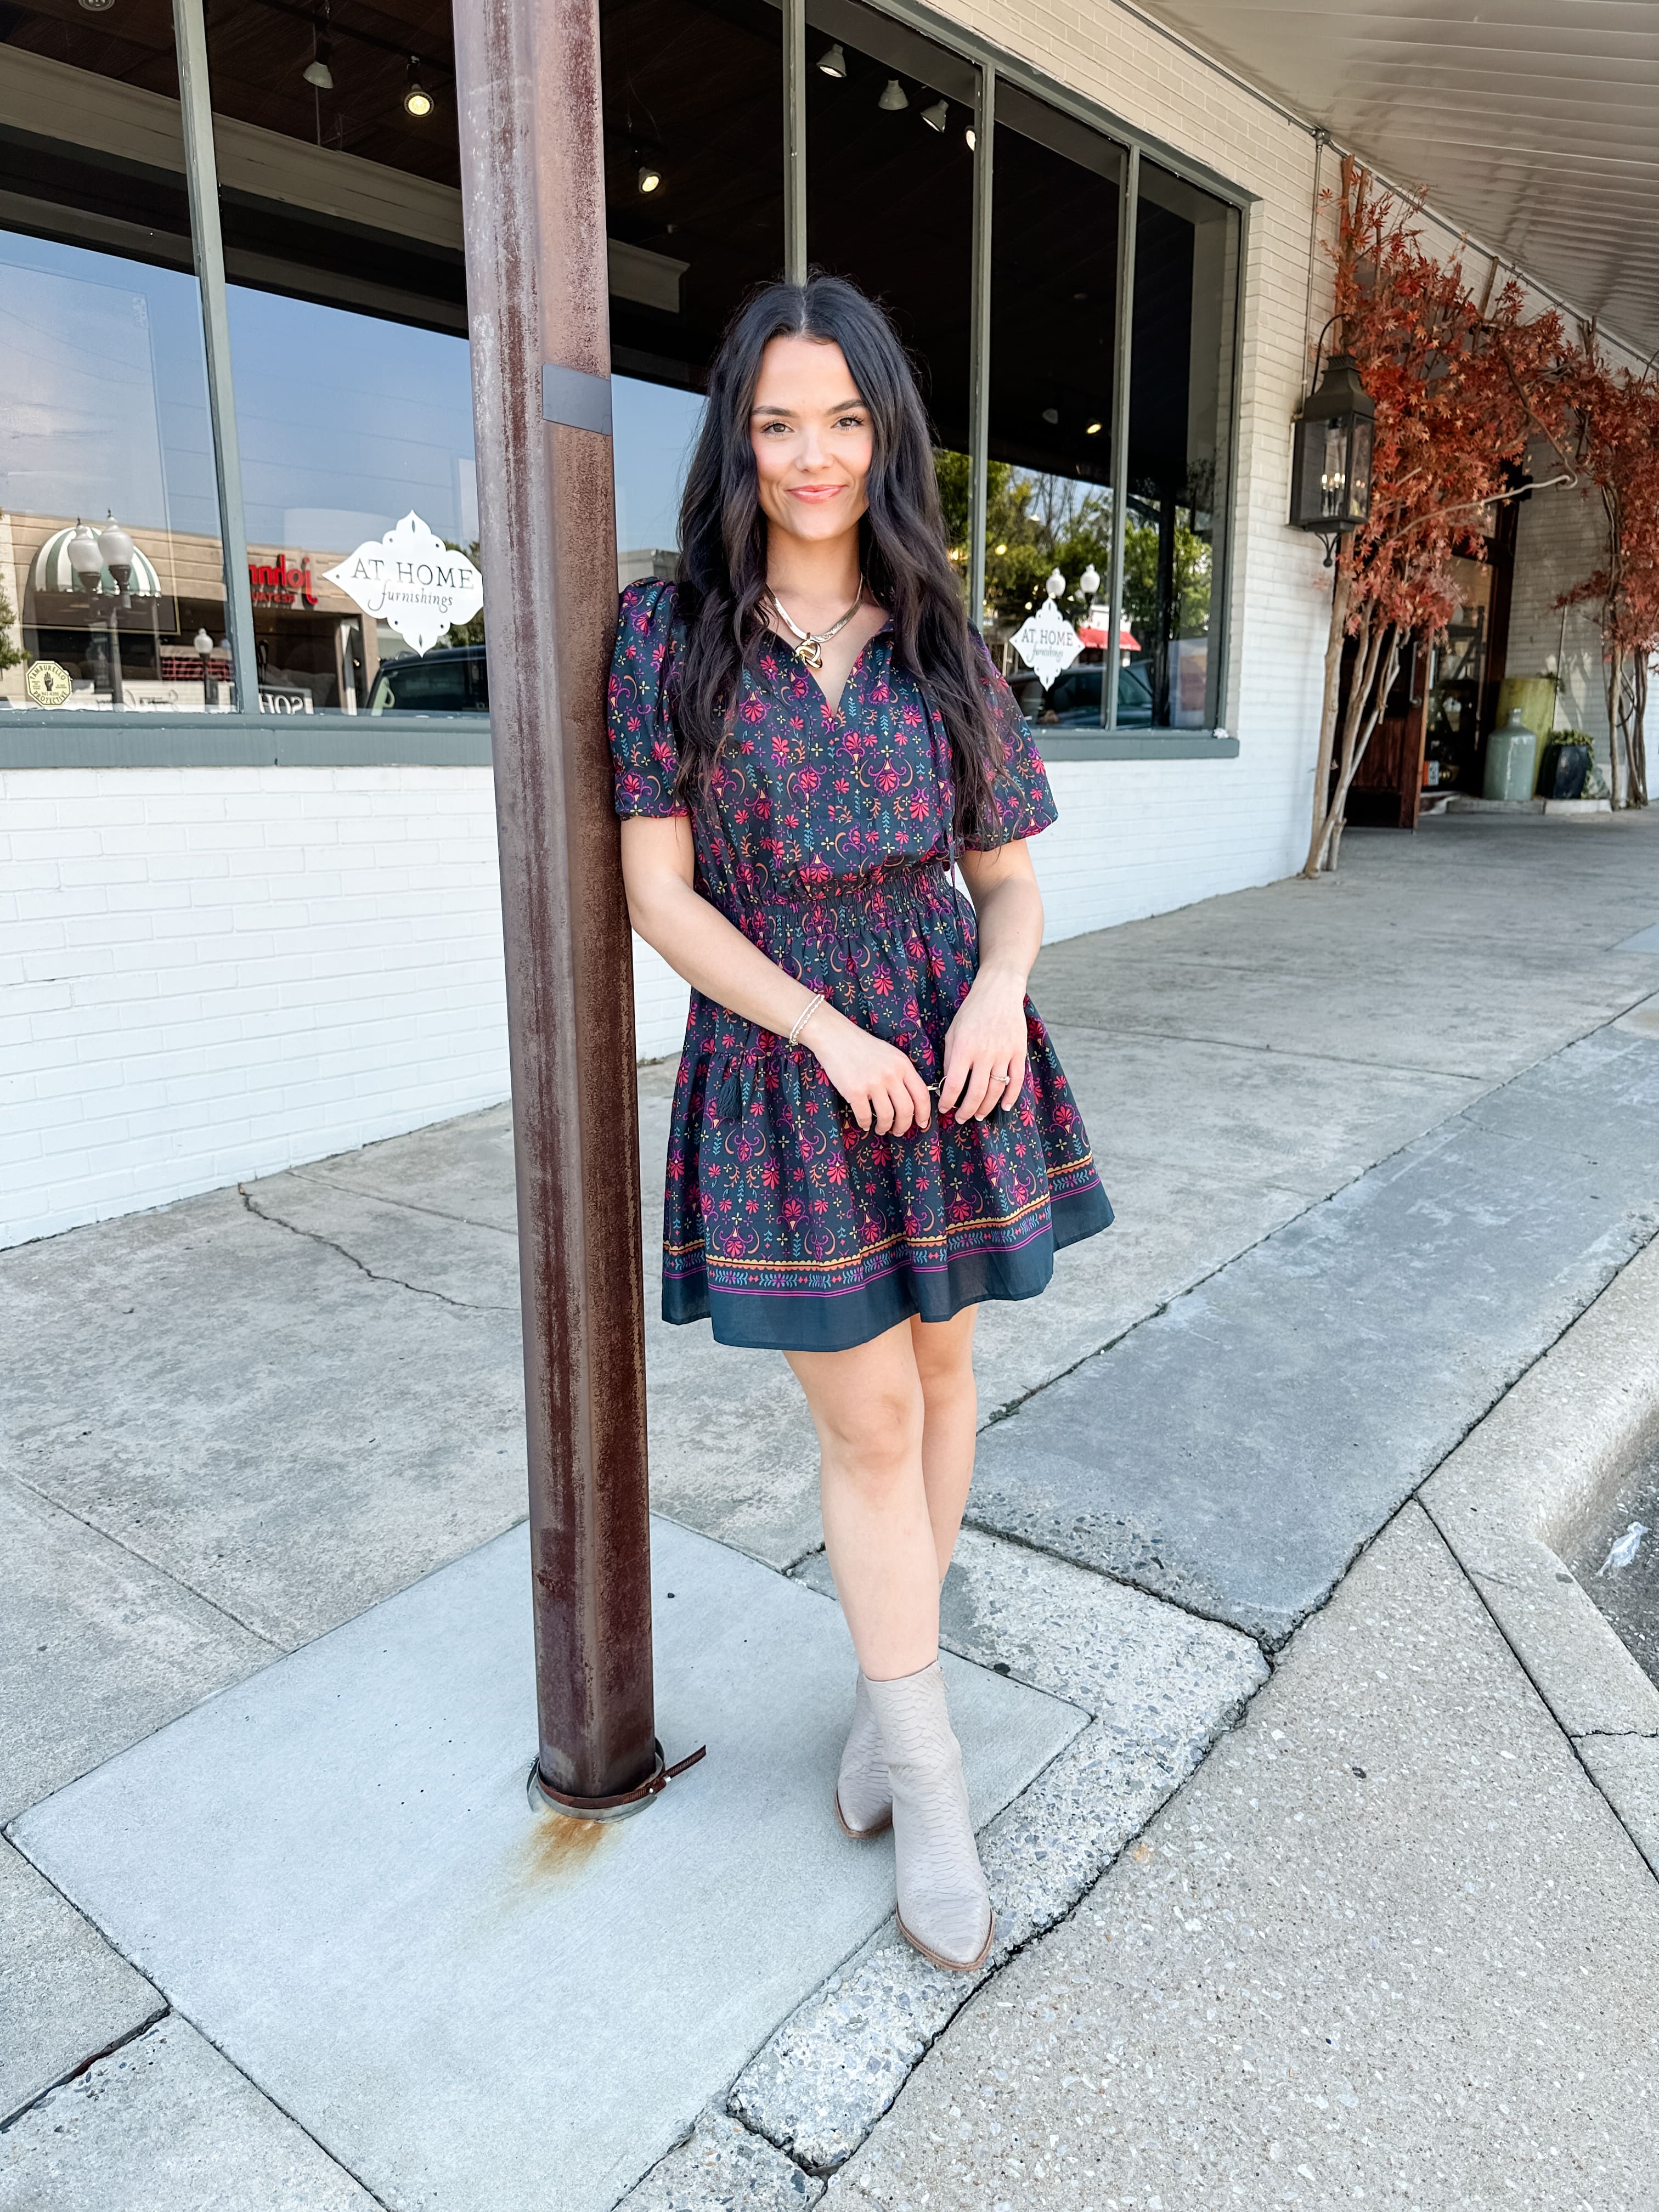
point(826, 838)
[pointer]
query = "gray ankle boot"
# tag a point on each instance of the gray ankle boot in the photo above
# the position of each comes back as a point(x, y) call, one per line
point(864, 1797)
point(944, 1906)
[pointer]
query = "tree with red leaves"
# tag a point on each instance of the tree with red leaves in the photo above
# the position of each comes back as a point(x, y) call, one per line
point(1617, 417)
point(1459, 387)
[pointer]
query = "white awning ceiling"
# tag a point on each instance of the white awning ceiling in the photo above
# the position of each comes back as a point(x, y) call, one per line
point(1532, 123)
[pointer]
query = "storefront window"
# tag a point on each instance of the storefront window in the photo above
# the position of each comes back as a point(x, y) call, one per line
point(1058, 203)
point(693, 175)
point(111, 567)
point(895, 111)
point(349, 357)
point(693, 213)
point(335, 137)
point(1180, 428)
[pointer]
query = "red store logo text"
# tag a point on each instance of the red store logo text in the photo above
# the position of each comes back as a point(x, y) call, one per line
point(277, 583)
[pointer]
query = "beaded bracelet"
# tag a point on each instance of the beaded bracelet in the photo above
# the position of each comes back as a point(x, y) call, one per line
point(805, 1016)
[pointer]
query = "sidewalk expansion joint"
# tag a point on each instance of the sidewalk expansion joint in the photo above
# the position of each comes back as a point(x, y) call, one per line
point(163, 2011)
point(136, 1552)
point(316, 1237)
point(1295, 1052)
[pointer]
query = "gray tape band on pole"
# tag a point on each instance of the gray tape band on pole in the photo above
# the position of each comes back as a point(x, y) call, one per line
point(572, 397)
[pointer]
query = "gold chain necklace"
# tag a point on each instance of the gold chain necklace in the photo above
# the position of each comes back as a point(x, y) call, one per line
point(812, 641)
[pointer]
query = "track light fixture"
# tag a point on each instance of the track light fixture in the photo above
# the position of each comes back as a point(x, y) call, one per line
point(937, 116)
point(650, 177)
point(893, 96)
point(833, 62)
point(417, 100)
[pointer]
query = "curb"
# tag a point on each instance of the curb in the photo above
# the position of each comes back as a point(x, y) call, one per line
point(1515, 1496)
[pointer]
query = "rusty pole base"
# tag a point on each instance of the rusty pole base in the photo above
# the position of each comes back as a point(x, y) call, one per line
point(543, 1798)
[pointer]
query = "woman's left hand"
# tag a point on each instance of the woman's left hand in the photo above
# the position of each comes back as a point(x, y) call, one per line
point(985, 1047)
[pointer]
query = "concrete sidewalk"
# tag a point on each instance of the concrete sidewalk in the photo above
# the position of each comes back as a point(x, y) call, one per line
point(1372, 1147)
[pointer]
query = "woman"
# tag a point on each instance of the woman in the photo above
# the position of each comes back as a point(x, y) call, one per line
point(871, 1132)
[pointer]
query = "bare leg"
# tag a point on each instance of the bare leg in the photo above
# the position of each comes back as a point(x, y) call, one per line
point(868, 1408)
point(945, 1363)
point(889, 1530)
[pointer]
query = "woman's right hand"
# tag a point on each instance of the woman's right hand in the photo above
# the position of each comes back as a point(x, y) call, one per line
point(877, 1081)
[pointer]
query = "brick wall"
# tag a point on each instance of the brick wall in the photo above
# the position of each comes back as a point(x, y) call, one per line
point(207, 974)
point(1560, 540)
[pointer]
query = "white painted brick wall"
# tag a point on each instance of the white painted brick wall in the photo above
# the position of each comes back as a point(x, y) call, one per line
point(1560, 540)
point(207, 974)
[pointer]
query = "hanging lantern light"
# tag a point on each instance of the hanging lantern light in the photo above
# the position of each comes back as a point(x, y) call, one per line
point(1331, 464)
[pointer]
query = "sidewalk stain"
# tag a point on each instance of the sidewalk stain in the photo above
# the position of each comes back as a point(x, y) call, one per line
point(556, 1850)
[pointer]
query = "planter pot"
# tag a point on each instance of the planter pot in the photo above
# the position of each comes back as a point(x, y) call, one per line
point(1563, 772)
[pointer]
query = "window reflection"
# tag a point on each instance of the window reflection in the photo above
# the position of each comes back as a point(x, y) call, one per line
point(1058, 197)
point(654, 427)
point(348, 355)
point(376, 424)
point(1180, 424)
point(110, 558)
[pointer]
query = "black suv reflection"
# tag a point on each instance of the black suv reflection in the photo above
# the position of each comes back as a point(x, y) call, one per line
point(1073, 700)
point(451, 679)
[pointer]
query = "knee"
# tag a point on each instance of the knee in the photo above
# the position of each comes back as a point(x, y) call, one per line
point(876, 1442)
point(945, 1369)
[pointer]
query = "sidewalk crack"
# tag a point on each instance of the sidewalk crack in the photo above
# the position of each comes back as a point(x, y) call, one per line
point(163, 2011)
point(316, 1237)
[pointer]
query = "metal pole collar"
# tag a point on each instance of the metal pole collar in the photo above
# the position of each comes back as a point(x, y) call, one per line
point(572, 397)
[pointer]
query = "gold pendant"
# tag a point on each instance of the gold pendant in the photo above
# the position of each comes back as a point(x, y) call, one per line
point(811, 652)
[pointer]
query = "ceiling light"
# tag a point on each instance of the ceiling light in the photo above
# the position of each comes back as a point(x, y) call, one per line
point(833, 62)
point(1002, 549)
point(893, 96)
point(972, 137)
point(1092, 431)
point(650, 178)
point(937, 116)
point(417, 100)
point(318, 71)
point(1051, 414)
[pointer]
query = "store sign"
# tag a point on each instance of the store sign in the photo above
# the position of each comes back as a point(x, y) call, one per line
point(412, 579)
point(47, 683)
point(1047, 643)
point(278, 583)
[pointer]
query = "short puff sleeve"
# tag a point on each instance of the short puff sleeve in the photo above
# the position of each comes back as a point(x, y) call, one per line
point(1023, 802)
point(644, 755)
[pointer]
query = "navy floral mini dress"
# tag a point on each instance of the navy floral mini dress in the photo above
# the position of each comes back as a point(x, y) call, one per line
point(826, 838)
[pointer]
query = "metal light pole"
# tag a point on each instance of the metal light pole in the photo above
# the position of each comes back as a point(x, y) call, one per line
point(527, 86)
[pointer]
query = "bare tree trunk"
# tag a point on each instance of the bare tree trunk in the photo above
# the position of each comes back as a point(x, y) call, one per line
point(1378, 691)
point(1341, 594)
point(1617, 779)
point(1636, 742)
point(1368, 641)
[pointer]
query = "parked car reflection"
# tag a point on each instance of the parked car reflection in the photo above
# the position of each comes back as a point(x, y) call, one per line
point(451, 679)
point(1073, 700)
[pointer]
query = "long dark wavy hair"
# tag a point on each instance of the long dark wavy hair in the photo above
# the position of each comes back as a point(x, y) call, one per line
point(721, 578)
